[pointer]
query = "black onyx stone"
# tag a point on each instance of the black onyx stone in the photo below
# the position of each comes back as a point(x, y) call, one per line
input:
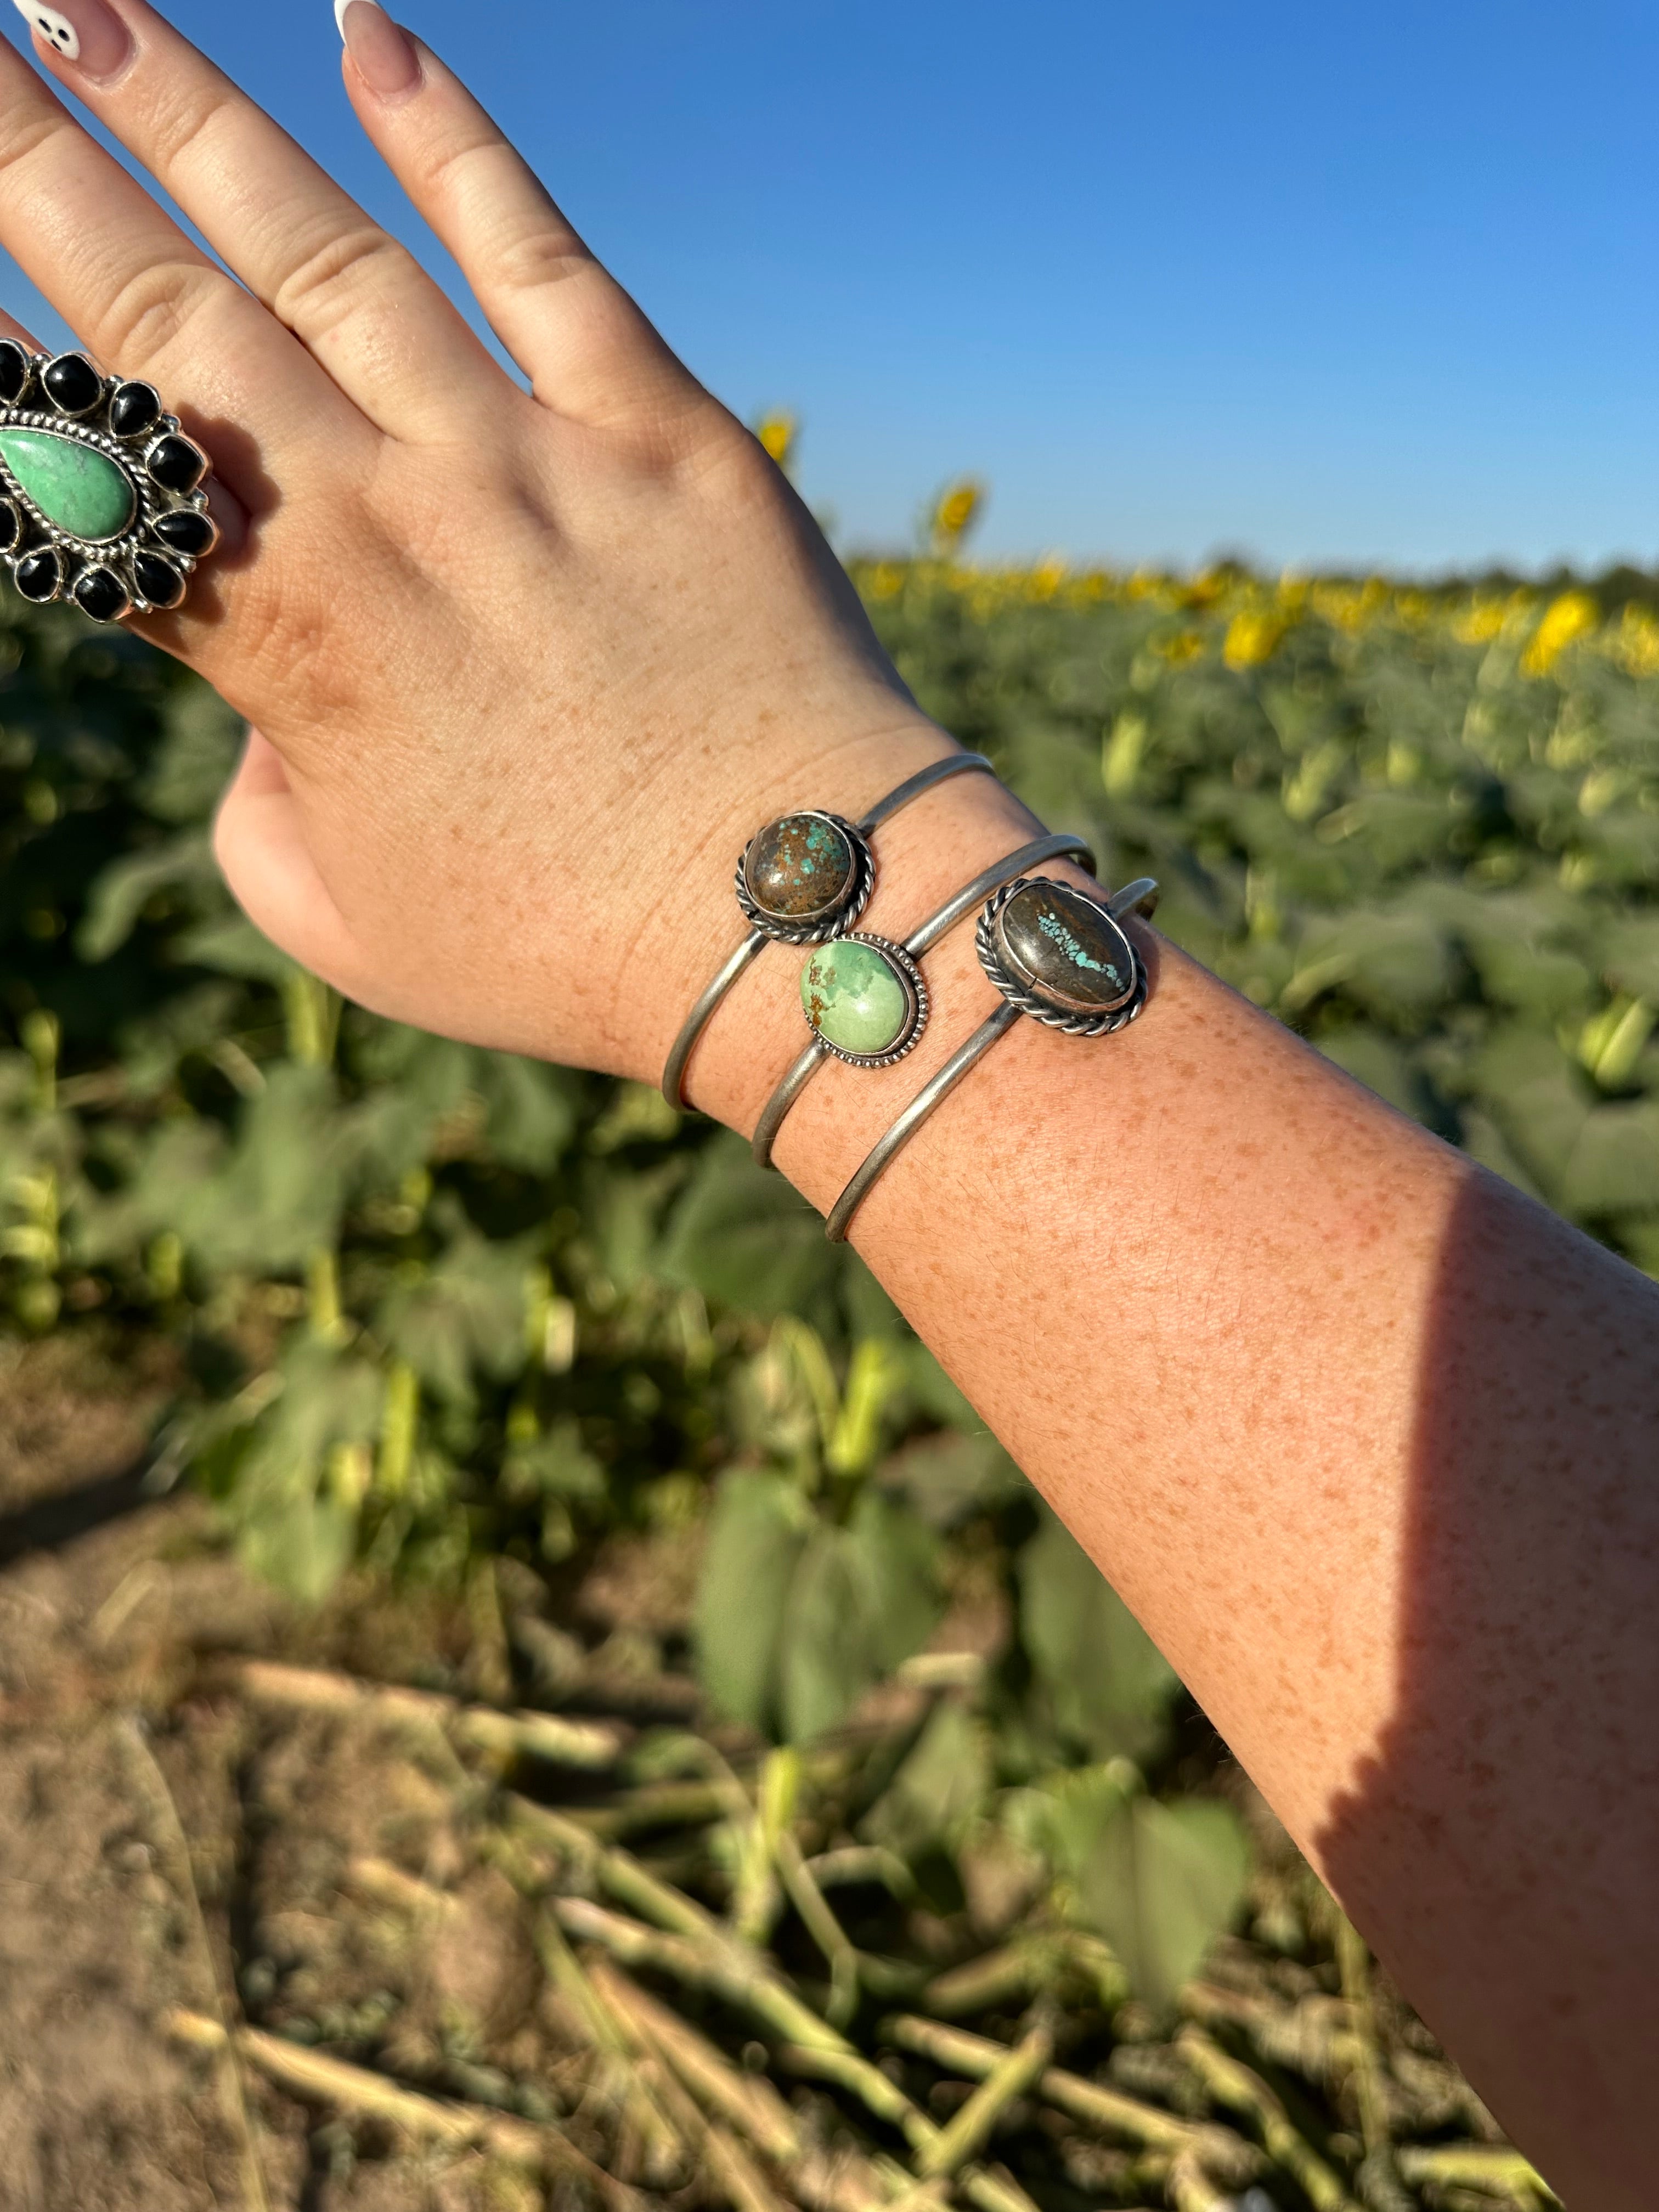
point(15, 369)
point(73, 384)
point(175, 464)
point(11, 526)
point(135, 409)
point(799, 867)
point(185, 531)
point(1067, 950)
point(38, 576)
point(158, 580)
point(102, 594)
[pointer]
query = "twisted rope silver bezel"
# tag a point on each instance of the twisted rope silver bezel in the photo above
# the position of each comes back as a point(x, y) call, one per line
point(1018, 993)
point(820, 928)
point(921, 1005)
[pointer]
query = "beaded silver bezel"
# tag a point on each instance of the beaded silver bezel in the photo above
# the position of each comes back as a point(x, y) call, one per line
point(999, 964)
point(832, 921)
point(918, 1008)
point(77, 555)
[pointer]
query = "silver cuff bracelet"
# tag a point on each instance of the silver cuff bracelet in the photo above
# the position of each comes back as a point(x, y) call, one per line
point(1055, 954)
point(907, 990)
point(803, 879)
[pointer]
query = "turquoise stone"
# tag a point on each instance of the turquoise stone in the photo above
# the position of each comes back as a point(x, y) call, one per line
point(76, 487)
point(799, 867)
point(1068, 950)
point(856, 999)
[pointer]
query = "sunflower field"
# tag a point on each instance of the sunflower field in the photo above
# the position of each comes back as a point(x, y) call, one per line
point(939, 1887)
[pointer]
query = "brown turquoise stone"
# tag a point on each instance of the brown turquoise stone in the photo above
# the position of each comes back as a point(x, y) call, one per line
point(1069, 951)
point(799, 867)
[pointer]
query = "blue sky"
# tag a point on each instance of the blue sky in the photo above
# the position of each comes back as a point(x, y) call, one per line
point(1326, 285)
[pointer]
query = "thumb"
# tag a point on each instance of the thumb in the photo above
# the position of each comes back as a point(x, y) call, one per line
point(259, 841)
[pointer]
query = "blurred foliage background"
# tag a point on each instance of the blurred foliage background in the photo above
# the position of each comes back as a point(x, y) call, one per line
point(424, 1306)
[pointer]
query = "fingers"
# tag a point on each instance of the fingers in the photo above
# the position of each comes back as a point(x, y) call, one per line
point(355, 298)
point(259, 841)
point(149, 302)
point(587, 350)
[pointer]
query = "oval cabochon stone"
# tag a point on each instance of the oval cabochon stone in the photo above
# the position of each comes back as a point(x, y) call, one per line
point(1069, 950)
point(855, 998)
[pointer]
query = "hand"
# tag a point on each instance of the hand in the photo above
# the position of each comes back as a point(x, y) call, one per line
point(529, 666)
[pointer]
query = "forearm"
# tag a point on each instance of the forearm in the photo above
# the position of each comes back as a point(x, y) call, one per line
point(1364, 1437)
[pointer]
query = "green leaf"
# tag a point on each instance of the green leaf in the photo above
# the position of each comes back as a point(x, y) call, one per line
point(946, 1477)
point(862, 1599)
point(1160, 1882)
point(757, 1534)
point(126, 888)
point(1107, 1685)
point(944, 1781)
point(743, 1236)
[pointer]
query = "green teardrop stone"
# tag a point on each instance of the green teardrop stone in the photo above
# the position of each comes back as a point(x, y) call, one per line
point(76, 487)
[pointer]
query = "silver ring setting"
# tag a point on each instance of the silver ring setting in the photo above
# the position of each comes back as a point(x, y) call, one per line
point(876, 958)
point(101, 498)
point(805, 878)
point(1061, 956)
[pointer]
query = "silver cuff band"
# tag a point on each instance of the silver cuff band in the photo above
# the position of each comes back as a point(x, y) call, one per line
point(1057, 847)
point(1141, 894)
point(925, 780)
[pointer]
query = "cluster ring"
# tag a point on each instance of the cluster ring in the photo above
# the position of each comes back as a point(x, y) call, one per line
point(101, 497)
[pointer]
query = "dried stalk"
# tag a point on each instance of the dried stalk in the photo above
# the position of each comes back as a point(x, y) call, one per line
point(1231, 2083)
point(566, 1974)
point(1378, 2178)
point(593, 1746)
point(1313, 2038)
point(310, 2075)
point(176, 1848)
point(742, 1977)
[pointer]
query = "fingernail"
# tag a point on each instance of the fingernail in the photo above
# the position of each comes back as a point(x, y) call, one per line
point(84, 31)
point(383, 56)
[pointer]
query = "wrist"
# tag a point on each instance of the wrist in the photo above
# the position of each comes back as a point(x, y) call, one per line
point(758, 1029)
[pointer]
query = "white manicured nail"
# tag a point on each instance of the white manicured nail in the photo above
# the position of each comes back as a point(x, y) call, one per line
point(385, 57)
point(59, 33)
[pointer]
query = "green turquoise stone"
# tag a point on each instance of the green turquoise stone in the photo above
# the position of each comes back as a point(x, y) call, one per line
point(76, 487)
point(799, 867)
point(1068, 950)
point(855, 998)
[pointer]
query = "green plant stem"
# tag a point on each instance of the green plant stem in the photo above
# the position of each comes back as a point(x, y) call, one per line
point(957, 2052)
point(822, 1925)
point(616, 1870)
point(1490, 2166)
point(970, 2128)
